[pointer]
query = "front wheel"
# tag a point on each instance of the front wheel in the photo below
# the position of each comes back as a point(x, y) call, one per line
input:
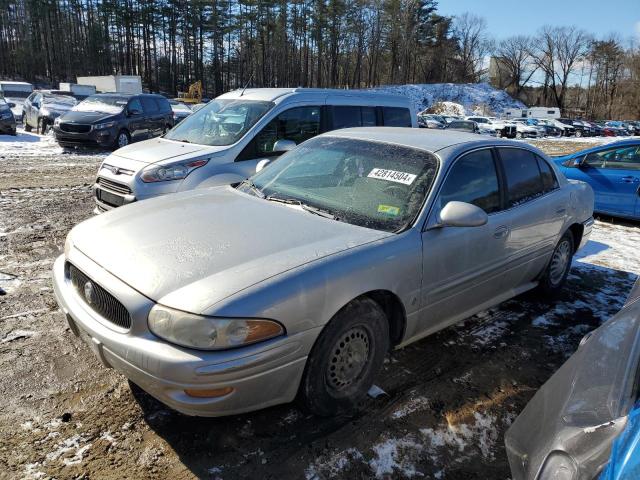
point(122, 139)
point(555, 275)
point(499, 133)
point(27, 127)
point(578, 133)
point(519, 135)
point(345, 359)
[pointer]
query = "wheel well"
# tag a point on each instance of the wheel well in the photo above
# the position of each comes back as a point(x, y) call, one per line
point(394, 310)
point(577, 231)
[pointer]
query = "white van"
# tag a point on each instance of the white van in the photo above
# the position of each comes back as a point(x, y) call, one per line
point(15, 93)
point(235, 134)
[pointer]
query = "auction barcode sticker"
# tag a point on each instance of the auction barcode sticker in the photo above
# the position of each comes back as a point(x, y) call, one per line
point(392, 176)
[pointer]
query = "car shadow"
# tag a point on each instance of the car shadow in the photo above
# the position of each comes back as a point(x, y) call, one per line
point(475, 376)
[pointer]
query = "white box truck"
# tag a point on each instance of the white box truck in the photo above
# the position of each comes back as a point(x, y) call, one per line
point(114, 83)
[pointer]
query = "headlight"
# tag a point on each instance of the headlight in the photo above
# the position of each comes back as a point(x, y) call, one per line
point(559, 466)
point(101, 126)
point(56, 121)
point(209, 333)
point(171, 171)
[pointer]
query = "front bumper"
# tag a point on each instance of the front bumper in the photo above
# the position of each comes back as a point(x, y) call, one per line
point(261, 375)
point(7, 125)
point(93, 138)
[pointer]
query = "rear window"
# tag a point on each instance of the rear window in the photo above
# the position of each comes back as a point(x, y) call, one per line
point(549, 180)
point(396, 117)
point(524, 182)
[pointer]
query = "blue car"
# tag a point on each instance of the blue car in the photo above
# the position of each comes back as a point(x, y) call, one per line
point(613, 171)
point(624, 463)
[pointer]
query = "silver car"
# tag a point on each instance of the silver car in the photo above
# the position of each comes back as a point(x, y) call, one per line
point(566, 431)
point(298, 281)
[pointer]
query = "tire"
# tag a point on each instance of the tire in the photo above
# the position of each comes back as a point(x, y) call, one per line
point(519, 135)
point(122, 139)
point(345, 359)
point(14, 132)
point(27, 127)
point(41, 126)
point(578, 133)
point(555, 274)
point(499, 133)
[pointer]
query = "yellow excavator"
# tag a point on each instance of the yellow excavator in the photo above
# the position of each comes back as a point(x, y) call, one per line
point(193, 96)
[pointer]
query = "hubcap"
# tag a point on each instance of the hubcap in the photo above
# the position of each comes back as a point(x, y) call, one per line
point(559, 262)
point(122, 140)
point(348, 359)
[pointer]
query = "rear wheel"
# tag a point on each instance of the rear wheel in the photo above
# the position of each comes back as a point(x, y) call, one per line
point(555, 275)
point(518, 135)
point(499, 133)
point(578, 133)
point(345, 359)
point(27, 127)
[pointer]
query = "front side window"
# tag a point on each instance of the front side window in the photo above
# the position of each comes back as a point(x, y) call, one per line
point(220, 122)
point(135, 106)
point(297, 124)
point(627, 158)
point(473, 179)
point(365, 183)
point(396, 117)
point(523, 178)
point(149, 104)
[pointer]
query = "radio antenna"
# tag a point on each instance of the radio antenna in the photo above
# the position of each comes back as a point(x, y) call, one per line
point(246, 84)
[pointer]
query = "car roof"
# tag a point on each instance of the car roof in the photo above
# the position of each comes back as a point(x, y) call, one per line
point(6, 82)
point(273, 94)
point(431, 140)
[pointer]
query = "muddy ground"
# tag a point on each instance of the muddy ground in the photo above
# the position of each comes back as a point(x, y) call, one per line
point(448, 399)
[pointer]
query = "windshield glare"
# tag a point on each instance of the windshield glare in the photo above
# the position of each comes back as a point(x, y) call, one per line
point(220, 122)
point(60, 100)
point(104, 104)
point(369, 184)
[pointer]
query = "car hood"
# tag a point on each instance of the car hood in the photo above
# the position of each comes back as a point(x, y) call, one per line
point(190, 250)
point(159, 150)
point(581, 408)
point(74, 116)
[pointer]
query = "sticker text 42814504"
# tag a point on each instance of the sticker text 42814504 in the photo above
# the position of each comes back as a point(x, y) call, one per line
point(392, 176)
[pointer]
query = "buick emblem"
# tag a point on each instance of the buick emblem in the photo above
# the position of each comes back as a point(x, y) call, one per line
point(89, 293)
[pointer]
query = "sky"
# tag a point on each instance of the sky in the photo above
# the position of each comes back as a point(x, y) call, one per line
point(516, 17)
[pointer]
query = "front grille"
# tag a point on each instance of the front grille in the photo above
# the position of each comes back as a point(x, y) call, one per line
point(99, 300)
point(75, 128)
point(113, 186)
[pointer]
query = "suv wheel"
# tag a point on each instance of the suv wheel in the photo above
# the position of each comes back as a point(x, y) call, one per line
point(27, 127)
point(499, 133)
point(345, 359)
point(555, 275)
point(122, 139)
point(578, 133)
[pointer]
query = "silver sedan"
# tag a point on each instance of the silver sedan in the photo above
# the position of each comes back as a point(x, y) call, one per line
point(296, 282)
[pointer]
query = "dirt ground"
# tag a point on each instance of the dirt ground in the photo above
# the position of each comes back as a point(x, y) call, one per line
point(447, 399)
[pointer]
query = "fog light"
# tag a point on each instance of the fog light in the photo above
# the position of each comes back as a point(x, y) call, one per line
point(210, 393)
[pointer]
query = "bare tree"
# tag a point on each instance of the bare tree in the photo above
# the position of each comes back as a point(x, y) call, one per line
point(558, 52)
point(514, 55)
point(474, 43)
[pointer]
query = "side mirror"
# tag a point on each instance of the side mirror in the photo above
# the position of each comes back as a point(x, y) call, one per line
point(579, 162)
point(12, 105)
point(462, 214)
point(262, 164)
point(283, 145)
point(133, 111)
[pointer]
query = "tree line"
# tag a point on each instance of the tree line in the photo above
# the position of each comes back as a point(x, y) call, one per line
point(228, 44)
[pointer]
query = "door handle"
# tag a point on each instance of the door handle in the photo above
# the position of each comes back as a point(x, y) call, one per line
point(560, 211)
point(629, 179)
point(501, 232)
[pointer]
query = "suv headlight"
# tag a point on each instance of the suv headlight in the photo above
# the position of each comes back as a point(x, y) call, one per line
point(102, 126)
point(56, 121)
point(209, 333)
point(559, 466)
point(171, 171)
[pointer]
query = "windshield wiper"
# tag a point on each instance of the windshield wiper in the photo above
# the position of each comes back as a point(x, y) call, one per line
point(293, 201)
point(253, 187)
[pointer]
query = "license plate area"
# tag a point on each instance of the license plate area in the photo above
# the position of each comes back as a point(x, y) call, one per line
point(109, 198)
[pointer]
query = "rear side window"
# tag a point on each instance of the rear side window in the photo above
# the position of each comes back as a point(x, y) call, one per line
point(352, 116)
point(396, 117)
point(473, 179)
point(163, 105)
point(549, 180)
point(149, 105)
point(523, 178)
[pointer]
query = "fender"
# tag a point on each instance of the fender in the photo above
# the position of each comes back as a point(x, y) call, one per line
point(213, 181)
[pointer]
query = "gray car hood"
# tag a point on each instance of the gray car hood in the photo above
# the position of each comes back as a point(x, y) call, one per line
point(580, 408)
point(159, 150)
point(190, 250)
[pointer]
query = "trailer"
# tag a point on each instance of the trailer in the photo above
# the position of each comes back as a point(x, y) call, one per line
point(114, 83)
point(543, 112)
point(78, 91)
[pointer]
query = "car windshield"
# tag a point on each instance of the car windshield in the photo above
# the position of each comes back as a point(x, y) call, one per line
point(365, 183)
point(102, 103)
point(220, 122)
point(8, 93)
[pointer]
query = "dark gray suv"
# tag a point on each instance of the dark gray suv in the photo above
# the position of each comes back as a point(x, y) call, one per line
point(114, 120)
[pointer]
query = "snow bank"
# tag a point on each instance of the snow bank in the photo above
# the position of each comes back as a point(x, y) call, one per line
point(474, 98)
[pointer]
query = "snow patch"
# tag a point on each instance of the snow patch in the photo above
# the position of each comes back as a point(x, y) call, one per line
point(395, 455)
point(413, 405)
point(333, 465)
